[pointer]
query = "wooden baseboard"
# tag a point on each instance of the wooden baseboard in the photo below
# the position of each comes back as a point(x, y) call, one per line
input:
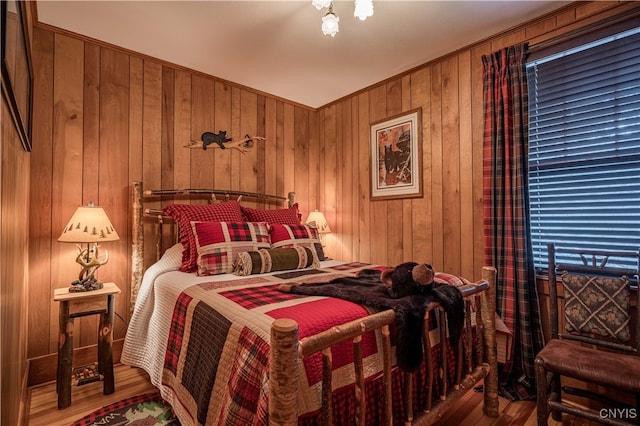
point(25, 398)
point(43, 369)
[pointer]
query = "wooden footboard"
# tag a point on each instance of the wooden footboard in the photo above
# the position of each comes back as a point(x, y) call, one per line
point(287, 351)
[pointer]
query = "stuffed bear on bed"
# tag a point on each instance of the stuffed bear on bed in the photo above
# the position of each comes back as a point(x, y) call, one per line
point(407, 289)
point(413, 278)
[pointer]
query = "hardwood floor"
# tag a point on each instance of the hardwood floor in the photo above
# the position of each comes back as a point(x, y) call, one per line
point(43, 408)
point(512, 413)
point(132, 381)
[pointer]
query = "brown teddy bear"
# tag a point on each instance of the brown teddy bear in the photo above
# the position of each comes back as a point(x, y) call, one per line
point(413, 280)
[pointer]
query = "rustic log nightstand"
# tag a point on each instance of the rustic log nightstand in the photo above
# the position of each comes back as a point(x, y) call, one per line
point(74, 305)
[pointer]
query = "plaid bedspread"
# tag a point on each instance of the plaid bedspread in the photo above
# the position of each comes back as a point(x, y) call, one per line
point(216, 362)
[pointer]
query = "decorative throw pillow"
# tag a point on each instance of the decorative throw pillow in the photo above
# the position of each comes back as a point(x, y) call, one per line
point(268, 260)
point(219, 243)
point(283, 236)
point(597, 305)
point(184, 214)
point(289, 216)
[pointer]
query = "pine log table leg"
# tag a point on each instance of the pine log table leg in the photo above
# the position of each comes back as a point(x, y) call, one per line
point(65, 357)
point(105, 354)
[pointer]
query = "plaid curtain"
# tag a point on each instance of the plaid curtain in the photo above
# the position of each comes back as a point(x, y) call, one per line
point(506, 212)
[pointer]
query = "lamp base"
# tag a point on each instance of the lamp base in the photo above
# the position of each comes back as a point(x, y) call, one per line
point(90, 284)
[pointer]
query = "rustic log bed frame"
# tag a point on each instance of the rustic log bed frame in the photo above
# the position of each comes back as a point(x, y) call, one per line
point(287, 349)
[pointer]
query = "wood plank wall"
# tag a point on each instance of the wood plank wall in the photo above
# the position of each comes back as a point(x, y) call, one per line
point(104, 117)
point(14, 185)
point(14, 263)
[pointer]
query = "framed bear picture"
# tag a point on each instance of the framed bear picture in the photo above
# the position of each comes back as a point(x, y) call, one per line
point(396, 156)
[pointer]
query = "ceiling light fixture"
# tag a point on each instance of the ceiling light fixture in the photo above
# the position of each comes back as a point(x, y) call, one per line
point(321, 4)
point(363, 9)
point(330, 23)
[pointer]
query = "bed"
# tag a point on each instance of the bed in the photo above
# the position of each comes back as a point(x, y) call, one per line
point(225, 348)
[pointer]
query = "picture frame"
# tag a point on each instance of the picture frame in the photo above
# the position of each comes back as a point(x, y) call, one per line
point(396, 156)
point(17, 71)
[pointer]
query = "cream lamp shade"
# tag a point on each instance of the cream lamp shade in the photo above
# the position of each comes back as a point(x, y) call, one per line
point(321, 222)
point(89, 224)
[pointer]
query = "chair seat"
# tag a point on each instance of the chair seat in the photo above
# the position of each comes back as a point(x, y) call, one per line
point(617, 371)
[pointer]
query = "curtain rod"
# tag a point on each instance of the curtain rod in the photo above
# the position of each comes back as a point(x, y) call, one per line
point(595, 26)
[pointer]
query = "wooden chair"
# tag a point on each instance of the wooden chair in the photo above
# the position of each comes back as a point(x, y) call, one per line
point(599, 345)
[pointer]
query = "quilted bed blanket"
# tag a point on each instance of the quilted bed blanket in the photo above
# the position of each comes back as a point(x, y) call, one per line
point(217, 356)
point(205, 342)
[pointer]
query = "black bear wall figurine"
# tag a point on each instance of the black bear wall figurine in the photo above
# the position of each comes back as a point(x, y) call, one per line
point(219, 138)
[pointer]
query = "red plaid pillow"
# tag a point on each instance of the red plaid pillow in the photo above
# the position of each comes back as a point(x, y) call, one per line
point(184, 214)
point(219, 243)
point(284, 236)
point(290, 216)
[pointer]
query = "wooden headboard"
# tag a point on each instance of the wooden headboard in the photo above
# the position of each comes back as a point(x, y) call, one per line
point(141, 215)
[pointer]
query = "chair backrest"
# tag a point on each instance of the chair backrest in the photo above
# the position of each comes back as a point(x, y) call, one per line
point(598, 297)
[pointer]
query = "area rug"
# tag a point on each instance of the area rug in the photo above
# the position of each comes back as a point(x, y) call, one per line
point(147, 409)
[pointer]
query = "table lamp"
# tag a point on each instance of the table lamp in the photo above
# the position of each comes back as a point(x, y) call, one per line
point(89, 225)
point(321, 223)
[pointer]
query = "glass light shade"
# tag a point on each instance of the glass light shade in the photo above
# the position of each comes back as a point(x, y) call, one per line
point(320, 4)
point(330, 24)
point(89, 224)
point(321, 222)
point(363, 9)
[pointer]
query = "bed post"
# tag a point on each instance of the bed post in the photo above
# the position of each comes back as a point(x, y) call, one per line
point(137, 241)
point(283, 376)
point(490, 406)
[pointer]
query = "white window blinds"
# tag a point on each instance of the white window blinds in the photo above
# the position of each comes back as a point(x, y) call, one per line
point(584, 147)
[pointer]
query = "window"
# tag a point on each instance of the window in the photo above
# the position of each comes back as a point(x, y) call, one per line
point(584, 147)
